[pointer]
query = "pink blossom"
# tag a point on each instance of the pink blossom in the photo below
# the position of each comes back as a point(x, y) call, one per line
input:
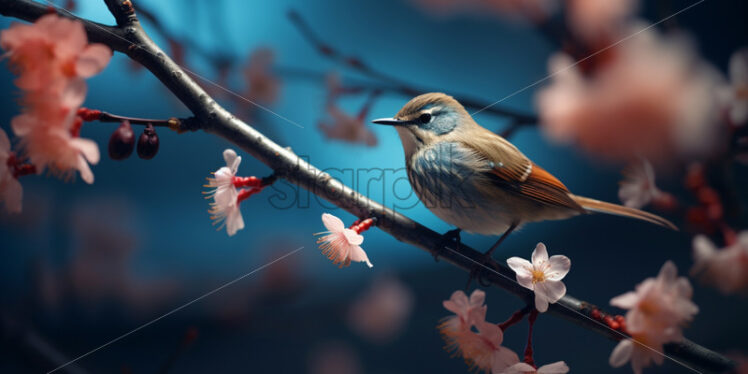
point(263, 86)
point(343, 126)
point(543, 275)
point(739, 81)
point(650, 97)
point(381, 312)
point(638, 189)
point(594, 20)
point(340, 244)
point(52, 57)
point(51, 52)
point(725, 268)
point(657, 311)
point(224, 208)
point(10, 189)
point(559, 367)
point(483, 349)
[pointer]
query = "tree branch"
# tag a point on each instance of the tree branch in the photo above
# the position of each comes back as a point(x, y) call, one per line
point(132, 40)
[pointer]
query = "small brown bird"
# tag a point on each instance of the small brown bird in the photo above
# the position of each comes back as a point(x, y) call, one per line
point(477, 180)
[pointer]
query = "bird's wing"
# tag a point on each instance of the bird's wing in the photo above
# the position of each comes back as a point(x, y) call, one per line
point(512, 170)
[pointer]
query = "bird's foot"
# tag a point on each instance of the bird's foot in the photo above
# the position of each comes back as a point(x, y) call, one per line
point(450, 237)
point(485, 265)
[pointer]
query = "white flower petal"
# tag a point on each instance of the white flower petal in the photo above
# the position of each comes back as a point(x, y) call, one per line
point(554, 368)
point(357, 254)
point(520, 266)
point(553, 290)
point(560, 266)
point(621, 353)
point(352, 237)
point(539, 255)
point(477, 298)
point(332, 223)
point(625, 301)
point(541, 302)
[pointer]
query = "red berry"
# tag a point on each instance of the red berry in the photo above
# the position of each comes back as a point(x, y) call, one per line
point(148, 143)
point(121, 142)
point(595, 314)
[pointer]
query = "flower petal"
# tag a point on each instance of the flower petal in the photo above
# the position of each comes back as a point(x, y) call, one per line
point(554, 368)
point(621, 353)
point(625, 301)
point(539, 255)
point(520, 266)
point(560, 266)
point(332, 223)
point(541, 302)
point(85, 170)
point(12, 194)
point(503, 358)
point(477, 298)
point(553, 290)
point(357, 254)
point(93, 59)
point(352, 237)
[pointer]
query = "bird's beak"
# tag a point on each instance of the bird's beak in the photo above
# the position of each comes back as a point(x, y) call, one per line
point(389, 121)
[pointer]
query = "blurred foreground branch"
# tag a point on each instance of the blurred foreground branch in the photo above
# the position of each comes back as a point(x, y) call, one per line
point(128, 37)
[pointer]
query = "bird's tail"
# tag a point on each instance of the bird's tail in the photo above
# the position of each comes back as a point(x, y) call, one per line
point(596, 206)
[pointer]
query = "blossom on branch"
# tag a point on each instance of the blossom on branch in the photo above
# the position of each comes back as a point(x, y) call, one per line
point(559, 367)
point(543, 275)
point(650, 97)
point(657, 311)
point(340, 244)
point(726, 268)
point(52, 58)
point(481, 349)
point(11, 192)
point(224, 208)
point(638, 188)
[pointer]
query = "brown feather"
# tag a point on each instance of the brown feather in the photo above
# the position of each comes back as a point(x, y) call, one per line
point(619, 210)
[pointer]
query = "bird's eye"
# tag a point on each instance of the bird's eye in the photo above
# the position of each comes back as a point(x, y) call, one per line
point(424, 118)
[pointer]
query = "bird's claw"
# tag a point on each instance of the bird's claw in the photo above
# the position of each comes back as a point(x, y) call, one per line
point(449, 237)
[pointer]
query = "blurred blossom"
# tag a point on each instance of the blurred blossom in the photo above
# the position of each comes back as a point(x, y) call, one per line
point(543, 275)
point(652, 98)
point(11, 192)
point(262, 84)
point(52, 58)
point(739, 81)
point(657, 311)
point(598, 21)
point(334, 358)
point(638, 189)
point(726, 268)
point(559, 367)
point(340, 244)
point(102, 265)
point(381, 313)
point(481, 349)
point(343, 126)
point(224, 208)
point(532, 10)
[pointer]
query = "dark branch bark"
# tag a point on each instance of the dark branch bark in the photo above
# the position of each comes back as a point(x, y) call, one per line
point(132, 40)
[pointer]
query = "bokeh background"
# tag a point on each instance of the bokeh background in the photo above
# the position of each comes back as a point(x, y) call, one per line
point(84, 264)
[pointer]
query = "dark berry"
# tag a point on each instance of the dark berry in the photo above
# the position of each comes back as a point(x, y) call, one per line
point(148, 143)
point(122, 142)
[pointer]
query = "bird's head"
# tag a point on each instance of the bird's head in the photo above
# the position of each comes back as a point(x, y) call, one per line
point(426, 119)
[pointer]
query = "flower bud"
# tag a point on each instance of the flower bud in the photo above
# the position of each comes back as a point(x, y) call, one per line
point(122, 142)
point(148, 143)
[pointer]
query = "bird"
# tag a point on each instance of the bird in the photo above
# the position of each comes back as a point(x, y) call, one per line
point(477, 180)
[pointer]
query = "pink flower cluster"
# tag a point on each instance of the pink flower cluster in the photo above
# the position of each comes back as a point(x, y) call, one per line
point(648, 96)
point(52, 58)
point(658, 310)
point(481, 349)
point(726, 268)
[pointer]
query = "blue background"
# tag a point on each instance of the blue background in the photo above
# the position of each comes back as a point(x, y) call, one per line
point(159, 203)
